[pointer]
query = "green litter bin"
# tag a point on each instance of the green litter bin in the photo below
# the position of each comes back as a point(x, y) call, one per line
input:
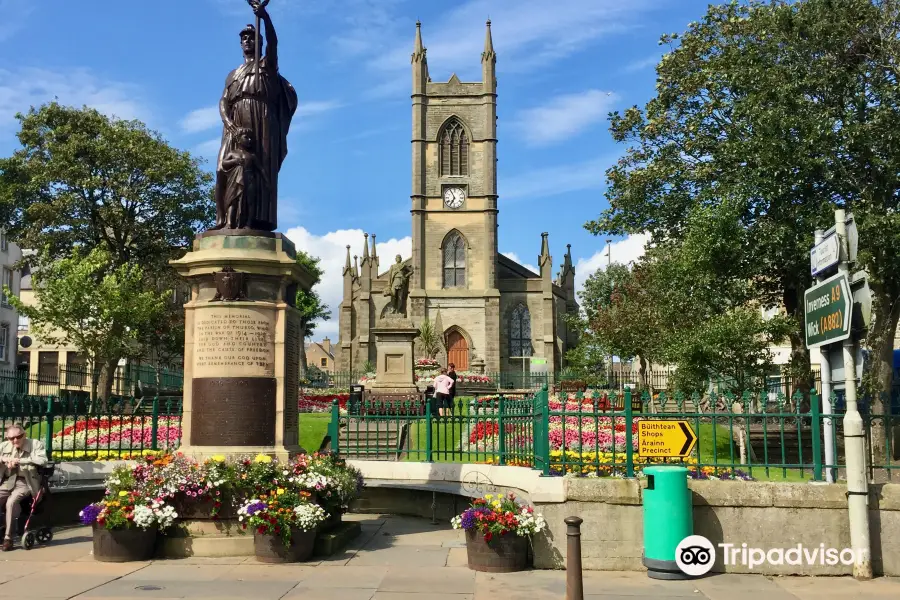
point(668, 519)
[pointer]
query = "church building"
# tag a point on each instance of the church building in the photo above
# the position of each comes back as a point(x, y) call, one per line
point(494, 314)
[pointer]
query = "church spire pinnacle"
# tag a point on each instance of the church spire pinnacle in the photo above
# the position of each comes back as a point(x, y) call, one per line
point(545, 250)
point(347, 265)
point(356, 266)
point(365, 256)
point(374, 251)
point(418, 54)
point(488, 54)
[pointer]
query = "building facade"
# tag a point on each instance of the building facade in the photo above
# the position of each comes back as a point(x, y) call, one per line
point(493, 313)
point(10, 254)
point(321, 355)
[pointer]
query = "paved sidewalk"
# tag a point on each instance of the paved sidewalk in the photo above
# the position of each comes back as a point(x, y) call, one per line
point(396, 558)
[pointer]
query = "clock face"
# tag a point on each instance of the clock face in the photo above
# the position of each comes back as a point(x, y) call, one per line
point(453, 197)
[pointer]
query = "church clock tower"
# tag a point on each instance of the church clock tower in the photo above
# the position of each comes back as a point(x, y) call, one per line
point(454, 198)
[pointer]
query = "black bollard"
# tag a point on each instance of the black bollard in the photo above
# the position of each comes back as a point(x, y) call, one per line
point(574, 581)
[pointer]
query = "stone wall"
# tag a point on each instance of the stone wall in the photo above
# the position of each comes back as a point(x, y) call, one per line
point(762, 515)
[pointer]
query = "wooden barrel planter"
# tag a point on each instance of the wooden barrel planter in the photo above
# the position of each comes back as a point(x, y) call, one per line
point(124, 545)
point(271, 548)
point(503, 554)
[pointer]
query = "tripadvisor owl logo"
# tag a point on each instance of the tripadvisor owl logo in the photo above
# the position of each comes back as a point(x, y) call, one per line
point(695, 555)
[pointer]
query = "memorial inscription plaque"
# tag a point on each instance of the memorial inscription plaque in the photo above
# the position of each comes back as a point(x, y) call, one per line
point(234, 340)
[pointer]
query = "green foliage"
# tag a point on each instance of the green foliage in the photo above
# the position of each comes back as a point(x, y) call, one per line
point(309, 303)
point(430, 339)
point(83, 180)
point(87, 302)
point(767, 117)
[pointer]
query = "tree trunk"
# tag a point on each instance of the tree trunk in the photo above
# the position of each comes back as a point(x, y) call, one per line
point(302, 365)
point(108, 379)
point(885, 316)
point(642, 374)
point(800, 367)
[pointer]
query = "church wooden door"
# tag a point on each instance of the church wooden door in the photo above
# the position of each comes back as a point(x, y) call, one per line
point(457, 351)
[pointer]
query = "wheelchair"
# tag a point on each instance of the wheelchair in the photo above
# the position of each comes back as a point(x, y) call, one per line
point(34, 518)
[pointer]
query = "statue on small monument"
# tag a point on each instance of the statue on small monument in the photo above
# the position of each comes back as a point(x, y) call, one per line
point(398, 281)
point(256, 107)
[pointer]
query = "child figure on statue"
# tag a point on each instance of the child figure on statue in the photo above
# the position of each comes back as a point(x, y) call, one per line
point(244, 170)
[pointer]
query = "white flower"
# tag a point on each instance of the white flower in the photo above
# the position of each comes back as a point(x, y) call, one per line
point(309, 516)
point(144, 517)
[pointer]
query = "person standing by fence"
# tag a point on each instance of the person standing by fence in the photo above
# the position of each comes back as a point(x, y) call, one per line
point(442, 386)
point(451, 373)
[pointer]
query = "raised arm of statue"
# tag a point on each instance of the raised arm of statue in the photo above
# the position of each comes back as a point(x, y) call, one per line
point(259, 9)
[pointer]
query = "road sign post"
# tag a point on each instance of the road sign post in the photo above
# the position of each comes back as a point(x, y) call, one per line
point(665, 439)
point(828, 307)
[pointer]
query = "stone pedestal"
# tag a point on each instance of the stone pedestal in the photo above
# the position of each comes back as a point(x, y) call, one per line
point(394, 370)
point(242, 345)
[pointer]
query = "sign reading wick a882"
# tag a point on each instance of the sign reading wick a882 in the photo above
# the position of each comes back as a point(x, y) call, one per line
point(827, 307)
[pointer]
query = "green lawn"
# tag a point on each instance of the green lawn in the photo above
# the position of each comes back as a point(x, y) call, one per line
point(313, 428)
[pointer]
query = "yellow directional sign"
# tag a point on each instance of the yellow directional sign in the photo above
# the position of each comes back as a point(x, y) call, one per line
point(665, 439)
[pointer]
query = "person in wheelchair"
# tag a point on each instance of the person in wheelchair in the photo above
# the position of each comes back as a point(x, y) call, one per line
point(21, 460)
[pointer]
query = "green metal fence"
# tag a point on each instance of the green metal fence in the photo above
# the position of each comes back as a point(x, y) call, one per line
point(71, 430)
point(76, 379)
point(755, 435)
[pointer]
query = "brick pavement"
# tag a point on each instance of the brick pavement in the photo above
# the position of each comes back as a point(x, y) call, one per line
point(396, 558)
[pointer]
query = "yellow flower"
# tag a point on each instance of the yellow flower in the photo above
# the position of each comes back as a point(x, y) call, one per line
point(280, 491)
point(488, 496)
point(262, 458)
point(218, 458)
point(123, 493)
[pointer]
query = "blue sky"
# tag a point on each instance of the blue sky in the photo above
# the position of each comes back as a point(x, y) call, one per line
point(561, 67)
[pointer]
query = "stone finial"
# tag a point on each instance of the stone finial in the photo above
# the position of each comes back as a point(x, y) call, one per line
point(544, 257)
point(356, 266)
point(488, 54)
point(365, 256)
point(347, 265)
point(418, 47)
point(374, 251)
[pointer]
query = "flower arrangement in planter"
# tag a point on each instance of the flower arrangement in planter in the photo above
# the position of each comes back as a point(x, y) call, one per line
point(127, 520)
point(498, 530)
point(284, 525)
point(335, 483)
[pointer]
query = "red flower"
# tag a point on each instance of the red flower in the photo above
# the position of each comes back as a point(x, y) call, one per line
point(488, 536)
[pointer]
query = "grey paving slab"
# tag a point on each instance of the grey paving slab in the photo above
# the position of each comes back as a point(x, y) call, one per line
point(447, 580)
point(828, 588)
point(408, 556)
point(361, 577)
point(38, 585)
point(167, 571)
point(634, 583)
point(305, 593)
point(379, 595)
point(729, 586)
point(259, 572)
point(258, 590)
point(13, 570)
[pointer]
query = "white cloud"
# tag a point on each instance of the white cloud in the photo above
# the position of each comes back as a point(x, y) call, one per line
point(564, 116)
point(201, 119)
point(621, 251)
point(515, 257)
point(550, 181)
point(331, 248)
point(308, 109)
point(15, 15)
point(641, 64)
point(21, 89)
point(526, 34)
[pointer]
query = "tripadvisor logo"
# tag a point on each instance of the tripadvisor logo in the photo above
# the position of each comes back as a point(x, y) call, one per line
point(695, 555)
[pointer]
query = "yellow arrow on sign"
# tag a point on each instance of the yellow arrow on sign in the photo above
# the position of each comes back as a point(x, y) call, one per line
point(666, 439)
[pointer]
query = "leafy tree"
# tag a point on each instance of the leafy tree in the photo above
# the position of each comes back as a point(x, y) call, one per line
point(588, 360)
point(310, 305)
point(98, 308)
point(784, 110)
point(85, 181)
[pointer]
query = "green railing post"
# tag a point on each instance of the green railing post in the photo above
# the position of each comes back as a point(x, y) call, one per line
point(816, 431)
point(629, 451)
point(501, 430)
point(48, 435)
point(544, 438)
point(334, 428)
point(428, 421)
point(154, 424)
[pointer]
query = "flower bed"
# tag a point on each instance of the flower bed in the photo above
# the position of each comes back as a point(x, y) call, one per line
point(607, 464)
point(101, 455)
point(315, 402)
point(119, 433)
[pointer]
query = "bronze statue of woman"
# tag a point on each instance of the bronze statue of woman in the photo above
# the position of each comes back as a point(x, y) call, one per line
point(257, 105)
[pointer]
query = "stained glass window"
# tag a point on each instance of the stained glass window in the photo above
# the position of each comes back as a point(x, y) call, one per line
point(520, 332)
point(454, 149)
point(454, 261)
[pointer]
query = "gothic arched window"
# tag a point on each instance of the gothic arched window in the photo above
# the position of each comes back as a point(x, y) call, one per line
point(520, 332)
point(454, 149)
point(454, 261)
